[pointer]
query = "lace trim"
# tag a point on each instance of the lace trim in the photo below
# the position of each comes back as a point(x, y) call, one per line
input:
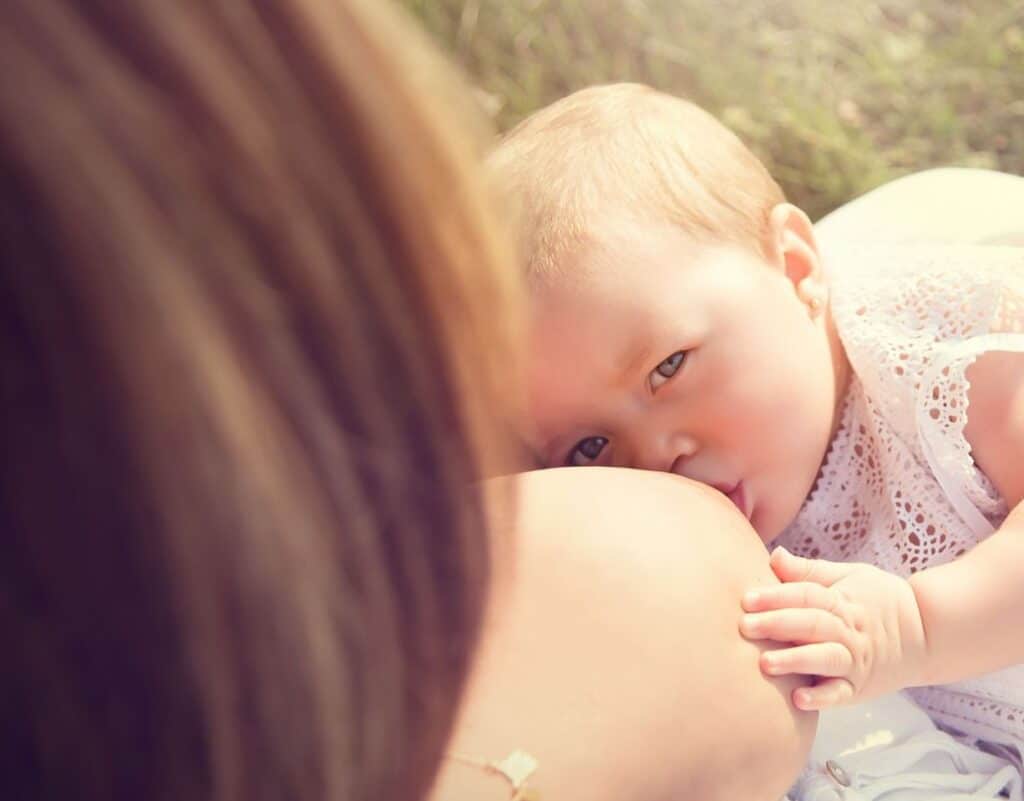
point(941, 423)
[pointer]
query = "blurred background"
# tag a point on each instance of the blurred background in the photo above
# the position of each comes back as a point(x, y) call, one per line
point(836, 96)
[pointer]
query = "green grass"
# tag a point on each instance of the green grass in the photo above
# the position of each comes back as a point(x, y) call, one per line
point(836, 96)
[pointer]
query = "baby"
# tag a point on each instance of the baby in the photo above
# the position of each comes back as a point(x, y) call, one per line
point(684, 320)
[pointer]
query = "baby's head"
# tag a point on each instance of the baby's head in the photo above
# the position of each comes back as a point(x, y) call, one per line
point(679, 308)
point(628, 151)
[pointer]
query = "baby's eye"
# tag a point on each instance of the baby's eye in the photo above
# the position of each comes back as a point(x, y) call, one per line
point(586, 451)
point(668, 368)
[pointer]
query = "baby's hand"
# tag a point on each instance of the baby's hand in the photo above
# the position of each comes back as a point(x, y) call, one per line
point(854, 626)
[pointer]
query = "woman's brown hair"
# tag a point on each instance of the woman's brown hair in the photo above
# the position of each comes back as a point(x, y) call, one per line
point(255, 328)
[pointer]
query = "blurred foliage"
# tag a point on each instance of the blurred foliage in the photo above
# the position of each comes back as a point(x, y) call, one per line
point(835, 97)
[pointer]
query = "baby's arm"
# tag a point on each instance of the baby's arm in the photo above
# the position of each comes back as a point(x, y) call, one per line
point(973, 608)
point(867, 632)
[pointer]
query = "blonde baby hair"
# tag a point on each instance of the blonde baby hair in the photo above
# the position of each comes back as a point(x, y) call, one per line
point(627, 151)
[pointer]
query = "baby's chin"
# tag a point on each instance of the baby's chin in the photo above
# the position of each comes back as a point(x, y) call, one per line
point(770, 519)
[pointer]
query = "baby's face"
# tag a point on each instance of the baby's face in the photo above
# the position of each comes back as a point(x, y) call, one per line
point(663, 353)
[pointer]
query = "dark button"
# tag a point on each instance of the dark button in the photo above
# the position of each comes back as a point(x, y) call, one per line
point(835, 770)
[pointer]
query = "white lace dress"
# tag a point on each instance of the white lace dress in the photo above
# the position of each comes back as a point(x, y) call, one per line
point(899, 488)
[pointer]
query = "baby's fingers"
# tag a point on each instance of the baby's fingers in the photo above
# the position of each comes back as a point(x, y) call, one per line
point(816, 659)
point(831, 692)
point(799, 595)
point(794, 625)
point(789, 567)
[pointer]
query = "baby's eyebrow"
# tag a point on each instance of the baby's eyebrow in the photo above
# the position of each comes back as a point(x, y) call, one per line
point(535, 460)
point(634, 357)
point(528, 456)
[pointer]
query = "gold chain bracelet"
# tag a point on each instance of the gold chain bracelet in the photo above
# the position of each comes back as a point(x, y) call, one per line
point(516, 769)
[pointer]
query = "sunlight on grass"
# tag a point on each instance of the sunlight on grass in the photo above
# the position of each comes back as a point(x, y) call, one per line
point(835, 97)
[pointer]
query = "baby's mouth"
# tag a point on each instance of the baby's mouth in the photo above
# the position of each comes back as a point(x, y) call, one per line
point(736, 494)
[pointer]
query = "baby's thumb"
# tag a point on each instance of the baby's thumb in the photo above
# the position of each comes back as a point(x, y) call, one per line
point(790, 567)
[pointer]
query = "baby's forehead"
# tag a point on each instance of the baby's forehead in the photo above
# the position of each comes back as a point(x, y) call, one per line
point(607, 275)
point(578, 299)
point(584, 245)
point(586, 332)
point(597, 258)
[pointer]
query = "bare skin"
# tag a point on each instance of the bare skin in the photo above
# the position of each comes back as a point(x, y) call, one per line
point(612, 652)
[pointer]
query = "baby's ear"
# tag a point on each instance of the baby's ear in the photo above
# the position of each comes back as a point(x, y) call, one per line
point(794, 250)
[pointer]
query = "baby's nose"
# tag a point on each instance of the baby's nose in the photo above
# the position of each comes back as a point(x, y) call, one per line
point(685, 448)
point(667, 453)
